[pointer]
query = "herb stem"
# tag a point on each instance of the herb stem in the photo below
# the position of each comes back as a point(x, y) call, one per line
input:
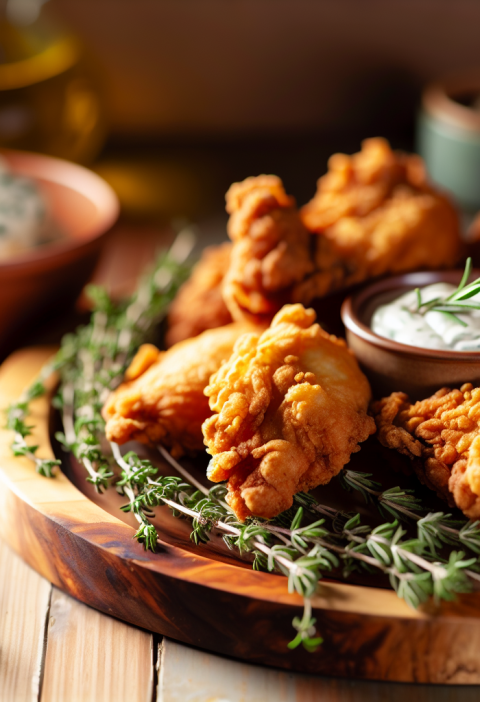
point(180, 469)
point(454, 303)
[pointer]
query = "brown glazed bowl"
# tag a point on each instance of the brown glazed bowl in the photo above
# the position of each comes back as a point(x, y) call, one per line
point(43, 279)
point(391, 366)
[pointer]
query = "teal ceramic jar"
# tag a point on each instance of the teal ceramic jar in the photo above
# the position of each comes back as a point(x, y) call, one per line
point(448, 136)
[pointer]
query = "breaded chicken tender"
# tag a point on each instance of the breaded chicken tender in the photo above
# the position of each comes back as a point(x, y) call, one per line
point(374, 213)
point(290, 407)
point(441, 435)
point(162, 400)
point(271, 248)
point(199, 304)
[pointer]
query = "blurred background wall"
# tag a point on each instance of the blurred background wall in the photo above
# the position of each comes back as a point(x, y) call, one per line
point(222, 67)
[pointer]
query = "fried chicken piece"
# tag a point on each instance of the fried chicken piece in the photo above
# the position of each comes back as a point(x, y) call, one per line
point(374, 213)
point(162, 400)
point(441, 435)
point(290, 408)
point(271, 248)
point(199, 304)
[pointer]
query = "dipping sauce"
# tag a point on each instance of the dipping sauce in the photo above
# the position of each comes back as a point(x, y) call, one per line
point(433, 329)
point(23, 213)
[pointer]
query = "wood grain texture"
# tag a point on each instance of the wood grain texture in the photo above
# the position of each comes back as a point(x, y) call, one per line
point(189, 674)
point(24, 604)
point(94, 657)
point(88, 553)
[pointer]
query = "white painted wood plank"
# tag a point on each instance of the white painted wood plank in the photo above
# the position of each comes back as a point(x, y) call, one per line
point(191, 675)
point(24, 602)
point(92, 657)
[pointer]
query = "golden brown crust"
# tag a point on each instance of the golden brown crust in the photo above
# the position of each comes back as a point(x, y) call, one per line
point(163, 402)
point(290, 408)
point(199, 304)
point(441, 434)
point(375, 212)
point(271, 250)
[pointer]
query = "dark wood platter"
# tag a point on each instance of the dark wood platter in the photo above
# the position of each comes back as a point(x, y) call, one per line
point(205, 596)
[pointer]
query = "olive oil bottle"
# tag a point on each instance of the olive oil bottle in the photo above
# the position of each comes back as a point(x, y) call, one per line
point(49, 100)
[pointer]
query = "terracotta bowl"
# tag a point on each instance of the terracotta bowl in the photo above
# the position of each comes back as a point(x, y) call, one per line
point(83, 208)
point(391, 366)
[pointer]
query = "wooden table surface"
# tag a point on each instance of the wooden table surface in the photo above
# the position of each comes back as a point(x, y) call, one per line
point(55, 649)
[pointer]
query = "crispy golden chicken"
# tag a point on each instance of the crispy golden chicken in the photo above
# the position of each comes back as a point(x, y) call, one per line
point(379, 214)
point(290, 407)
point(199, 304)
point(442, 437)
point(374, 213)
point(162, 400)
point(271, 248)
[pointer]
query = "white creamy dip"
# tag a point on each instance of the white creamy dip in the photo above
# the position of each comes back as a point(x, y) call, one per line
point(23, 213)
point(432, 330)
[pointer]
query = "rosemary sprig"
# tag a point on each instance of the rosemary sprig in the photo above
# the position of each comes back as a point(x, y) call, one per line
point(456, 302)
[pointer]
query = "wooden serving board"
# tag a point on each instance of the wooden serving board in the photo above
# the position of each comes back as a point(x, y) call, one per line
point(211, 601)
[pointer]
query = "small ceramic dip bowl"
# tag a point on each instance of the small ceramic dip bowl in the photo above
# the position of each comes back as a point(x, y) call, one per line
point(391, 366)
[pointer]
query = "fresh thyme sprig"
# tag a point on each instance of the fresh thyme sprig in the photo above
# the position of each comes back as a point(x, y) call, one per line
point(392, 502)
point(92, 361)
point(436, 529)
point(17, 414)
point(208, 510)
point(302, 553)
point(456, 302)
